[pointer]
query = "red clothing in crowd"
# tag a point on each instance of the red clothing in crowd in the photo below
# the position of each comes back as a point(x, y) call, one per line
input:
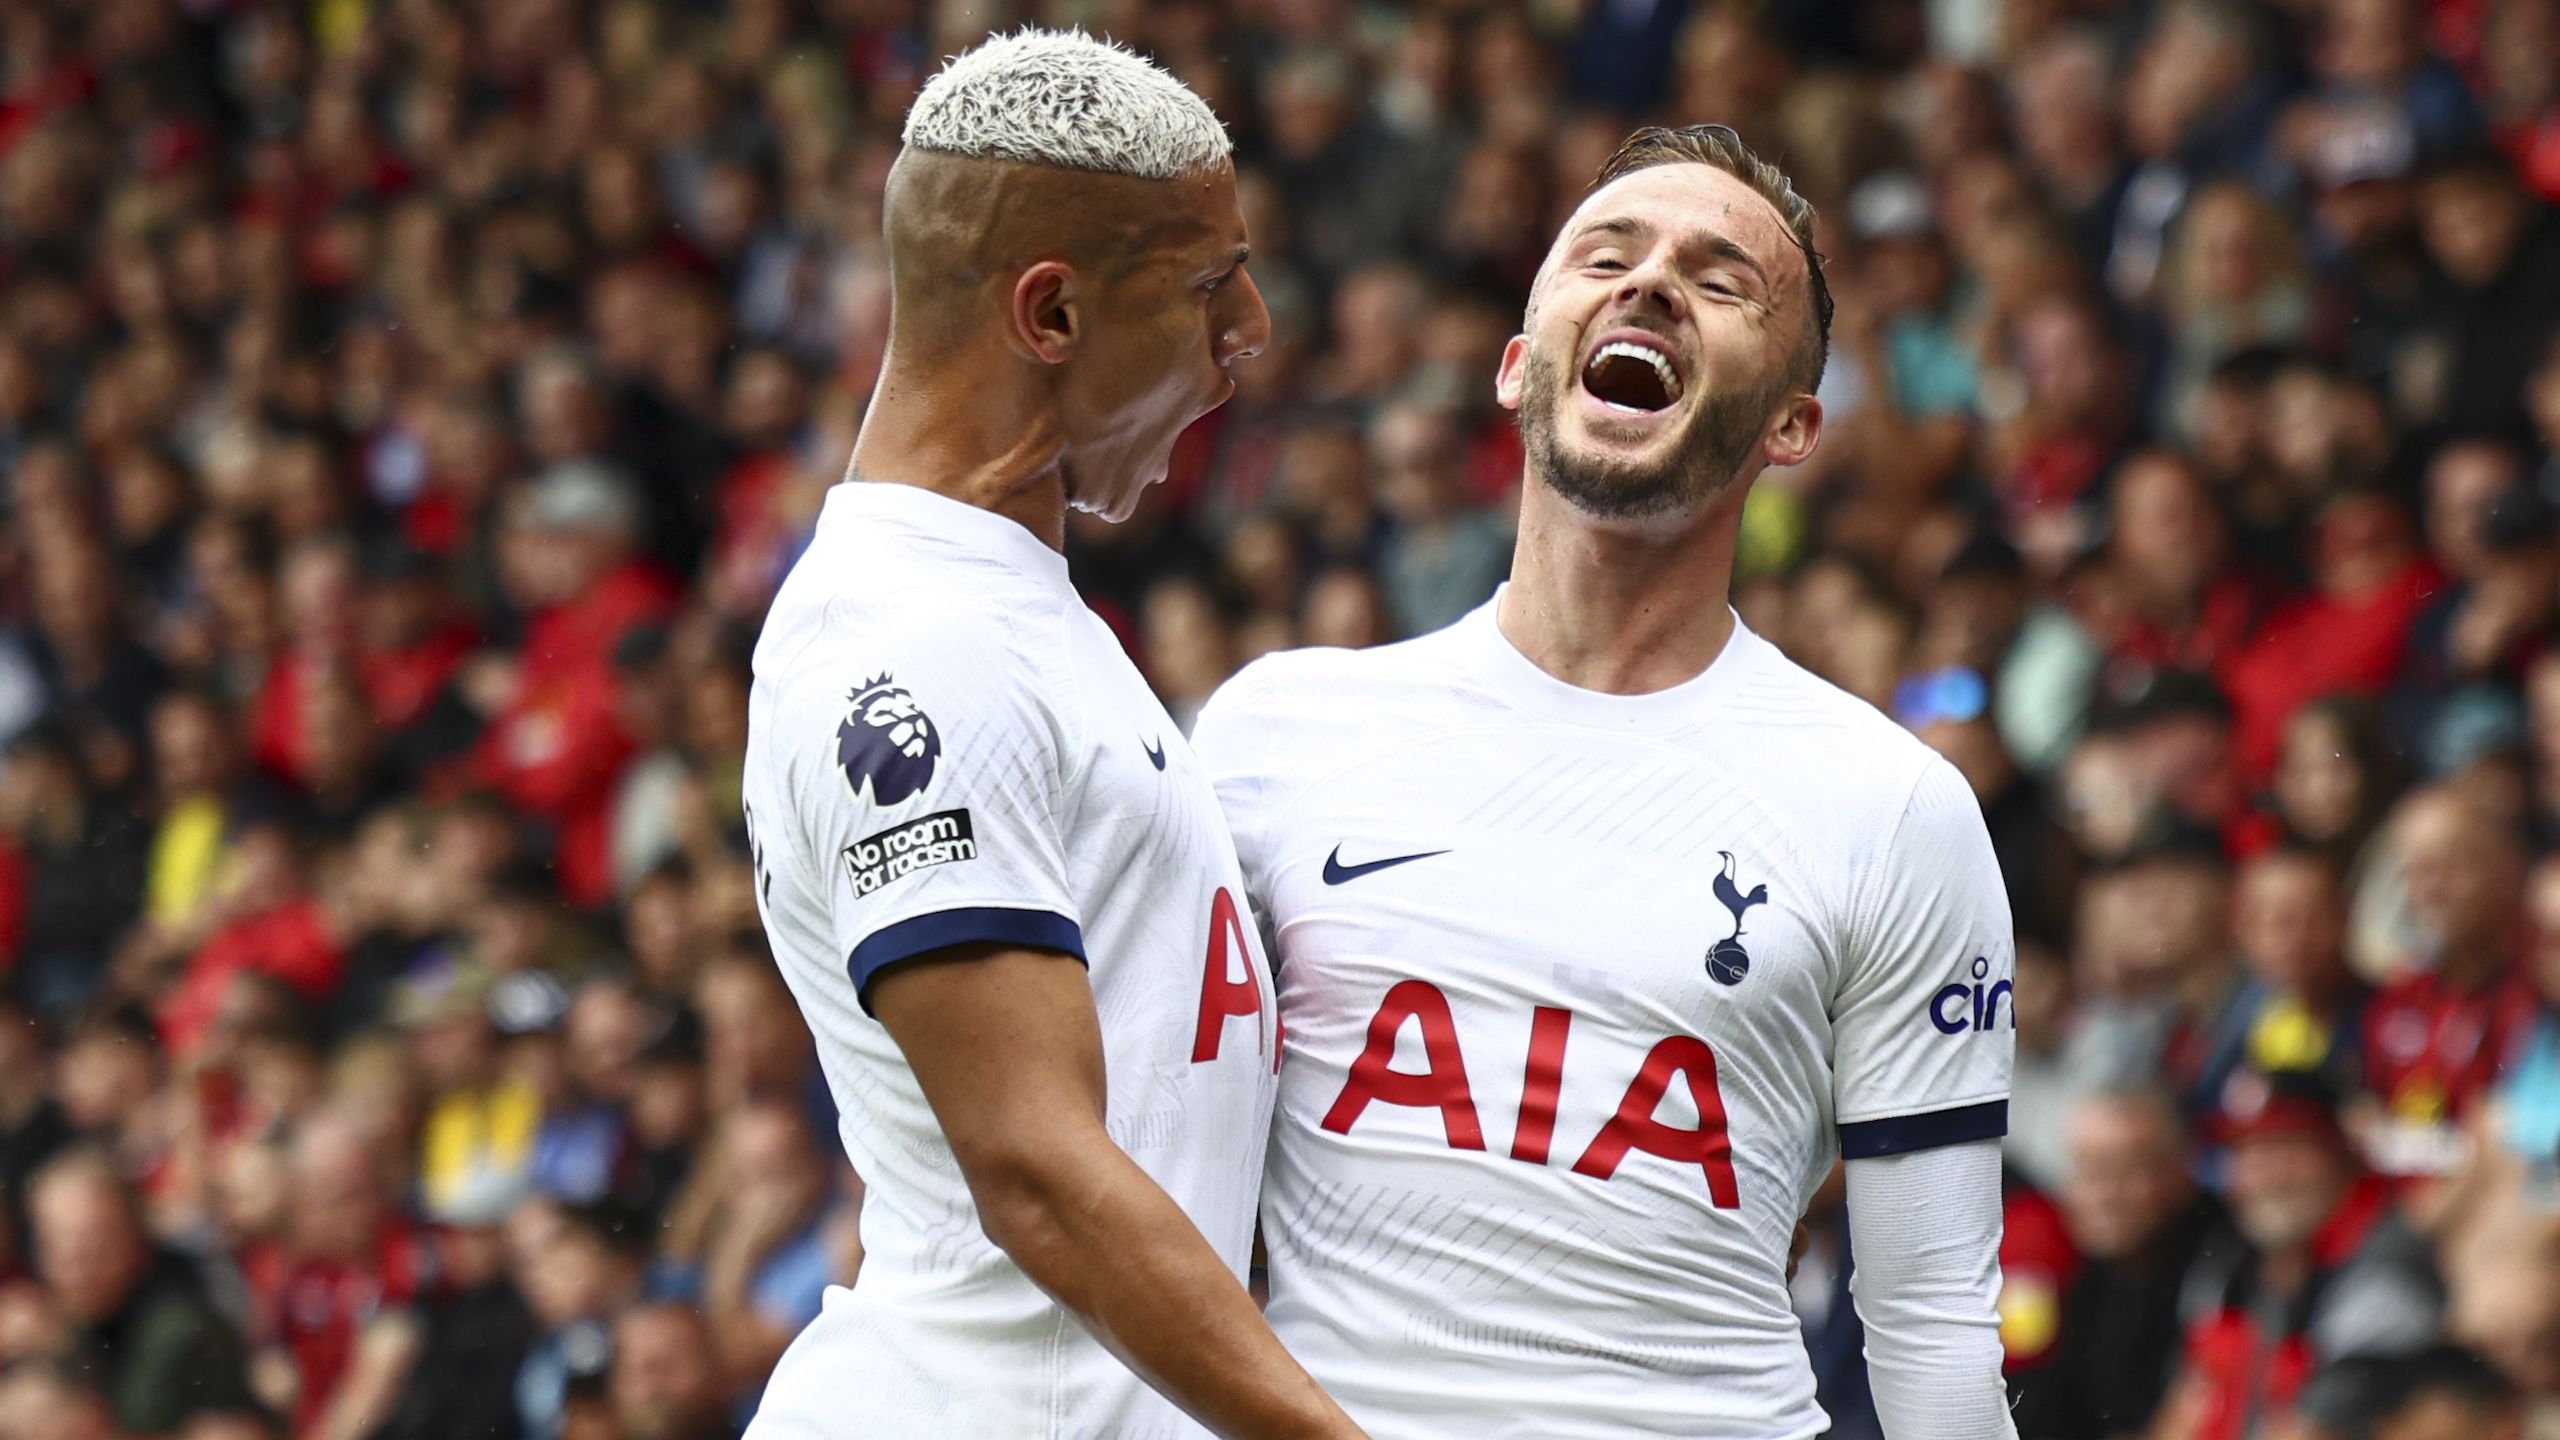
point(292, 942)
point(753, 544)
point(13, 903)
point(2037, 1264)
point(317, 1309)
point(2319, 645)
point(400, 683)
point(2534, 149)
point(2224, 615)
point(2250, 1372)
point(397, 684)
point(559, 748)
point(2431, 1051)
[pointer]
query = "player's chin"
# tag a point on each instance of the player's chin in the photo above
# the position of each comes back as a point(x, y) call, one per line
point(1128, 490)
point(1117, 505)
point(1648, 442)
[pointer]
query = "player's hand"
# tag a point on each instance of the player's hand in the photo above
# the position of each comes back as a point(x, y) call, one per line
point(1006, 1047)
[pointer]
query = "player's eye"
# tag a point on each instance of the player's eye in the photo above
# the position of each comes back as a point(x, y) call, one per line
point(1609, 263)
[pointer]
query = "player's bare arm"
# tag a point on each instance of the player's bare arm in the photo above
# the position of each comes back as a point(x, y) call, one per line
point(1005, 1044)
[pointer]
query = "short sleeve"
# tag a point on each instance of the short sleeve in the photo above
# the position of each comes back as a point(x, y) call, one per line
point(927, 766)
point(1924, 1024)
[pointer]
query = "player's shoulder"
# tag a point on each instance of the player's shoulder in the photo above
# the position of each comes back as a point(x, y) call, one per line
point(835, 609)
point(875, 676)
point(1835, 751)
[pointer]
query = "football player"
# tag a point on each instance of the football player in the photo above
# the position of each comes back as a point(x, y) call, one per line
point(1602, 928)
point(994, 876)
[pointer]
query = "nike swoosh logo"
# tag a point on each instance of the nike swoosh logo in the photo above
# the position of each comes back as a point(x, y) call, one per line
point(1155, 752)
point(1335, 872)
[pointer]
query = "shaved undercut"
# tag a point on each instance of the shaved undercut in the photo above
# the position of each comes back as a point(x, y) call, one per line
point(955, 224)
point(1041, 145)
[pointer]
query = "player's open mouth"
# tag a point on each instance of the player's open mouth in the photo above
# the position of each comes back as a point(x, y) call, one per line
point(1632, 373)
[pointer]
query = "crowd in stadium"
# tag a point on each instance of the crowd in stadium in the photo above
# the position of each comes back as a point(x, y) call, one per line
point(408, 407)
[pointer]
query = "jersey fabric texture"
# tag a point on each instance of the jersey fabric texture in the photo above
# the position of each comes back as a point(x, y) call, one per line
point(1582, 994)
point(945, 746)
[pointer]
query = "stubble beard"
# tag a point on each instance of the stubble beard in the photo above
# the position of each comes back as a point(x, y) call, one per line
point(1706, 457)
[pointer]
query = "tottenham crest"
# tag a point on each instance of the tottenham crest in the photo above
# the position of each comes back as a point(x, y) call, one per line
point(886, 742)
point(1727, 961)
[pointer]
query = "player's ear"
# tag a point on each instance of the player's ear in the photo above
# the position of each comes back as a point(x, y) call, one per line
point(1045, 319)
point(1792, 436)
point(1512, 373)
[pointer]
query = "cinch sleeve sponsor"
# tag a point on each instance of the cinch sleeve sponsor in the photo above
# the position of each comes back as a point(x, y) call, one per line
point(1924, 1024)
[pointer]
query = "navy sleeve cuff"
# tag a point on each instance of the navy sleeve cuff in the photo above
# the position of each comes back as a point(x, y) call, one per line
point(1902, 1134)
point(975, 925)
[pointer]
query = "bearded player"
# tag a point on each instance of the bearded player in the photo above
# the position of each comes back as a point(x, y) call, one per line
point(994, 876)
point(1602, 928)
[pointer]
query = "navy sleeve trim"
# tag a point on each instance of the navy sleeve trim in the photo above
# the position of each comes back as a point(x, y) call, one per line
point(1902, 1134)
point(973, 925)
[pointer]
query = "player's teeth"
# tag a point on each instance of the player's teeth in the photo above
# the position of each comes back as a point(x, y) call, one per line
point(1654, 358)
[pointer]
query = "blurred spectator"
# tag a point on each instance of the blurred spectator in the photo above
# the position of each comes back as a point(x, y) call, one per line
point(77, 869)
point(2141, 1224)
point(331, 1296)
point(665, 1381)
point(128, 1317)
point(2498, 545)
point(2369, 583)
point(2166, 997)
point(2234, 278)
point(2303, 1010)
point(754, 1209)
point(2433, 1041)
point(2335, 778)
point(1443, 556)
point(554, 743)
point(472, 1334)
point(2327, 1272)
point(2170, 557)
point(2495, 248)
point(575, 1267)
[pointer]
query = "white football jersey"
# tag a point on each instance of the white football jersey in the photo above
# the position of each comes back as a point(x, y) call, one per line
point(945, 746)
point(1582, 993)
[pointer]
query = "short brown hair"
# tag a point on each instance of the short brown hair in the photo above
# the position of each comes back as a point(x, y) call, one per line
point(1721, 147)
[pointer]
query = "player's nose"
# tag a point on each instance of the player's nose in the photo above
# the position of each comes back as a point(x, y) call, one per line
point(1248, 329)
point(1650, 285)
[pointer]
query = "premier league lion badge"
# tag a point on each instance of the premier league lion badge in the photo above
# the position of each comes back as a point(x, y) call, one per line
point(886, 742)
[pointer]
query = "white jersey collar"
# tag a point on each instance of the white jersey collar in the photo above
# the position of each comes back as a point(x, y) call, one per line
point(1518, 679)
point(856, 502)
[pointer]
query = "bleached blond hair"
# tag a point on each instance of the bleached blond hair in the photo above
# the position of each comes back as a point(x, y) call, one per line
point(1063, 98)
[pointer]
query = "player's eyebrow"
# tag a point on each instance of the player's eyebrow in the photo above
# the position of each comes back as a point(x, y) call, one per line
point(1611, 225)
point(1724, 247)
point(1715, 245)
